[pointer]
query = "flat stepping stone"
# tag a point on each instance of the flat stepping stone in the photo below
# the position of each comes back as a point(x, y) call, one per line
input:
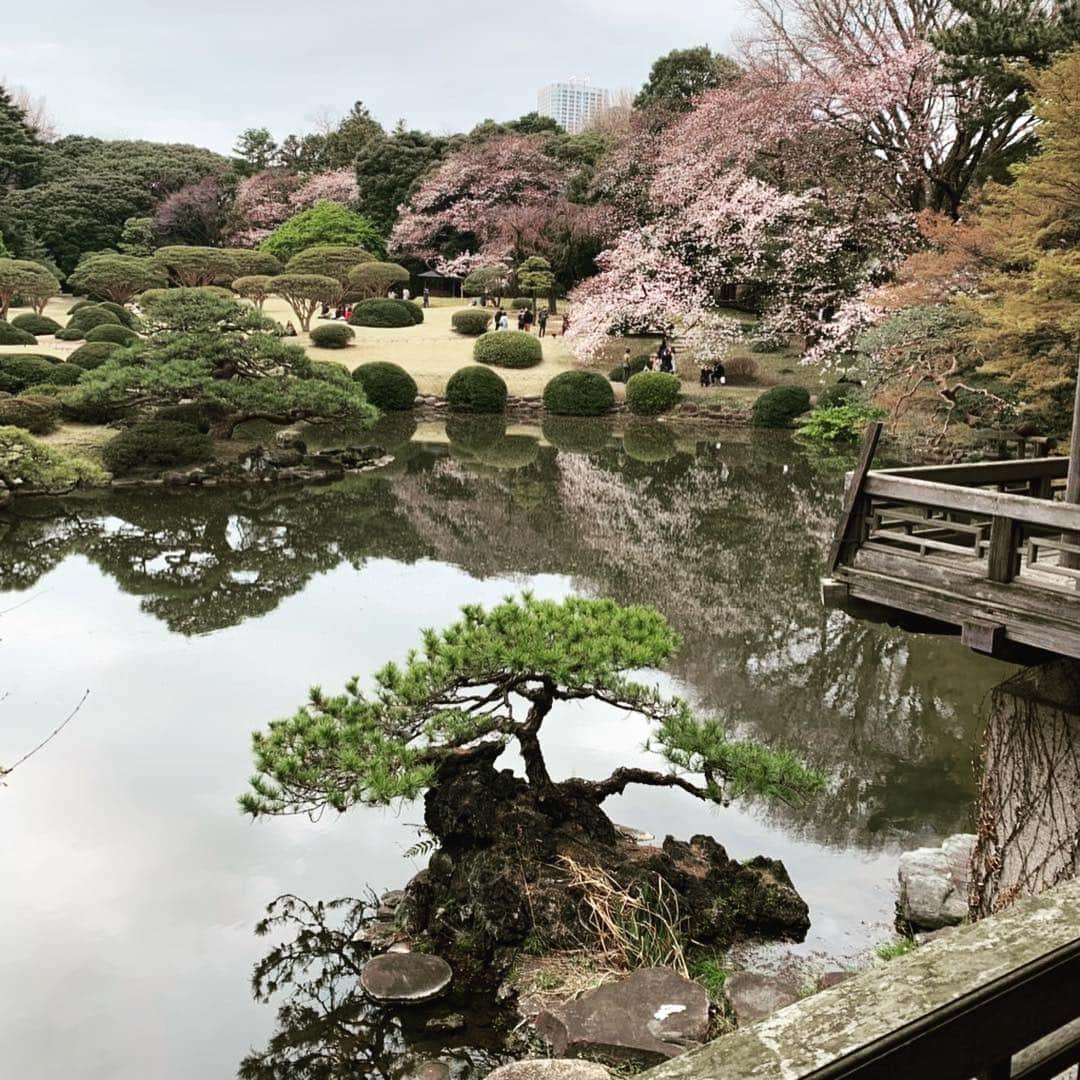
point(753, 996)
point(551, 1069)
point(405, 978)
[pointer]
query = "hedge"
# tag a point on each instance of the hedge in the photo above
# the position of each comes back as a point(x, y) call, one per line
point(80, 304)
point(32, 412)
point(127, 318)
point(382, 313)
point(579, 393)
point(471, 322)
point(651, 392)
point(386, 385)
point(576, 434)
point(21, 370)
point(508, 348)
point(69, 333)
point(154, 445)
point(476, 389)
point(336, 335)
point(38, 325)
point(96, 315)
point(93, 354)
point(114, 335)
point(779, 406)
point(10, 334)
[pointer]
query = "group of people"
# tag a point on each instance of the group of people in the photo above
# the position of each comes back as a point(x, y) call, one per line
point(342, 311)
point(663, 359)
point(525, 320)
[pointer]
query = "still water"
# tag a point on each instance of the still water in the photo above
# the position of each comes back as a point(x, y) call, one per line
point(131, 883)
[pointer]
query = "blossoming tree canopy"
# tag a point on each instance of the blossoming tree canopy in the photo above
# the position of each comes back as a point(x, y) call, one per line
point(491, 679)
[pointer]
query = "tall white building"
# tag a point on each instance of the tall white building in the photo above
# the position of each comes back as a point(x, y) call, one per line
point(572, 104)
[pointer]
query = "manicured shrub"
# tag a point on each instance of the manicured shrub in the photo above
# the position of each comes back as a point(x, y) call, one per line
point(387, 386)
point(840, 393)
point(576, 434)
point(38, 325)
point(741, 369)
point(200, 415)
point(127, 318)
point(96, 315)
point(93, 354)
point(151, 296)
point(645, 440)
point(508, 348)
point(80, 304)
point(779, 406)
point(649, 393)
point(32, 412)
point(382, 313)
point(636, 365)
point(70, 333)
point(520, 303)
point(476, 389)
point(21, 370)
point(12, 335)
point(336, 335)
point(154, 445)
point(416, 312)
point(579, 393)
point(115, 335)
point(471, 322)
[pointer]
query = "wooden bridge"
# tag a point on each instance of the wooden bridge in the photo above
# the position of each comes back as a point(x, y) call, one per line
point(991, 550)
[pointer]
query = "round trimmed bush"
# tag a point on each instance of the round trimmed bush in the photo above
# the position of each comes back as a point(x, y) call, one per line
point(336, 335)
point(647, 441)
point(12, 335)
point(18, 371)
point(579, 393)
point(69, 333)
point(386, 385)
point(636, 365)
point(382, 313)
point(476, 389)
point(32, 412)
point(576, 434)
point(154, 445)
point(80, 304)
point(93, 354)
point(96, 315)
point(114, 335)
point(841, 393)
point(776, 408)
point(416, 312)
point(508, 348)
point(471, 322)
point(649, 393)
point(38, 325)
point(126, 317)
point(520, 303)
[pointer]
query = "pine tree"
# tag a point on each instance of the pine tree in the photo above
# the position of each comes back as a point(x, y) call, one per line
point(20, 154)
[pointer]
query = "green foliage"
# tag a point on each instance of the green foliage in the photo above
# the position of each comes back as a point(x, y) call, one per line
point(69, 333)
point(202, 415)
point(382, 313)
point(486, 281)
point(471, 322)
point(899, 947)
point(28, 281)
point(351, 748)
point(577, 435)
point(137, 237)
point(372, 279)
point(118, 335)
point(535, 277)
point(681, 75)
point(86, 318)
point(250, 262)
point(476, 389)
point(765, 342)
point(386, 385)
point(711, 972)
point(126, 317)
point(649, 393)
point(416, 312)
point(648, 441)
point(33, 466)
point(331, 260)
point(255, 287)
point(305, 292)
point(33, 412)
point(38, 325)
point(21, 370)
point(841, 393)
point(119, 278)
point(838, 423)
point(508, 348)
point(579, 393)
point(779, 406)
point(521, 303)
point(93, 354)
point(10, 334)
point(154, 445)
point(388, 169)
point(335, 335)
point(471, 433)
point(190, 266)
point(324, 223)
point(639, 364)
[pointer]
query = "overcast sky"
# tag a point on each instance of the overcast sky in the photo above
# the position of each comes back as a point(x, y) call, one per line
point(201, 71)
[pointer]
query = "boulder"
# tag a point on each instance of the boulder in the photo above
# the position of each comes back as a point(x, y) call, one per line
point(551, 1069)
point(433, 1070)
point(290, 439)
point(934, 885)
point(752, 996)
point(834, 978)
point(405, 978)
point(650, 1016)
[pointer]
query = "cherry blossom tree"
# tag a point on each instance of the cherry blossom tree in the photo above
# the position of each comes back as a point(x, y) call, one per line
point(269, 198)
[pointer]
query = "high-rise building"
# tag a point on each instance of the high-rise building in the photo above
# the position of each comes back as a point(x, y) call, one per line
point(572, 104)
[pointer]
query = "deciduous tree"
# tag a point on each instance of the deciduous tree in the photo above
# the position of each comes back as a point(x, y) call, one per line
point(194, 266)
point(27, 280)
point(324, 223)
point(305, 292)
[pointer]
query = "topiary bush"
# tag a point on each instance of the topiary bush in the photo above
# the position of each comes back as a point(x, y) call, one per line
point(840, 393)
point(12, 335)
point(80, 304)
point(336, 335)
point(636, 365)
point(386, 385)
point(115, 335)
point(32, 412)
point(69, 333)
point(18, 371)
point(508, 348)
point(520, 303)
point(93, 354)
point(471, 322)
point(154, 445)
point(649, 393)
point(476, 389)
point(779, 406)
point(416, 312)
point(579, 393)
point(382, 313)
point(577, 435)
point(38, 325)
point(96, 315)
point(127, 318)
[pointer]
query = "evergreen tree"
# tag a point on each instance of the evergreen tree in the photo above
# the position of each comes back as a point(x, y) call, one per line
point(20, 154)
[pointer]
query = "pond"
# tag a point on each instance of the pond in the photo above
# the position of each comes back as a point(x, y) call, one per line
point(132, 883)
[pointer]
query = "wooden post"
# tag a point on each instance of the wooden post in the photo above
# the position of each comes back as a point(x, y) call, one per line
point(846, 532)
point(1072, 488)
point(1003, 561)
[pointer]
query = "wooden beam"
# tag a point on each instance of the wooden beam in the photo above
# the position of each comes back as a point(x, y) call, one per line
point(982, 635)
point(833, 593)
point(986, 472)
point(1003, 560)
point(850, 525)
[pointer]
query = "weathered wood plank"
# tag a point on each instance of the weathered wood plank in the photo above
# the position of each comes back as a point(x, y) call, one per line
point(849, 517)
point(1003, 560)
point(986, 472)
point(982, 635)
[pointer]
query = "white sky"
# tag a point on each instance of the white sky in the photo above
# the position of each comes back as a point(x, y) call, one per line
point(201, 71)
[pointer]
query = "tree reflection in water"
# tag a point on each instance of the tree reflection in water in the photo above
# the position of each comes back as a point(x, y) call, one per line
point(327, 1029)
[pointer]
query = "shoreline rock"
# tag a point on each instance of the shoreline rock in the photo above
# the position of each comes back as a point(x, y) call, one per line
point(934, 885)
